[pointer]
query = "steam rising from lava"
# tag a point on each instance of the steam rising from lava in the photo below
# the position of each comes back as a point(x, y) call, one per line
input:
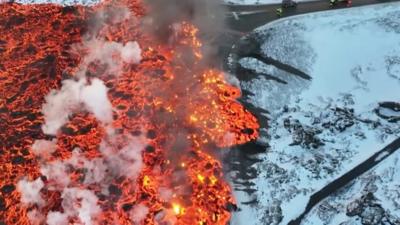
point(90, 94)
point(207, 15)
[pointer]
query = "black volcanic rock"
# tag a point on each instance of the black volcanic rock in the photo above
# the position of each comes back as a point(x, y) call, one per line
point(8, 188)
point(303, 135)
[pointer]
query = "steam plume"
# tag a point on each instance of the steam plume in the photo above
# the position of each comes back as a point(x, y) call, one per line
point(87, 94)
point(207, 15)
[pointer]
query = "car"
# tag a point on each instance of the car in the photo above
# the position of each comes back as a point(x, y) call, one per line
point(288, 3)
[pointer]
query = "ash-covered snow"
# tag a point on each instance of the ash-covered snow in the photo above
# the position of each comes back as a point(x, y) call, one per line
point(321, 128)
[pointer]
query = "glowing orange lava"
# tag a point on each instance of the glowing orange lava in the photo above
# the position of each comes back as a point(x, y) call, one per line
point(164, 98)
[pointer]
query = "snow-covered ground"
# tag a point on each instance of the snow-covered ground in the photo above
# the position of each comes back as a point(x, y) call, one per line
point(372, 199)
point(321, 128)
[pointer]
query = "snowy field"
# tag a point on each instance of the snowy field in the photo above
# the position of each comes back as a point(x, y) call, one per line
point(321, 128)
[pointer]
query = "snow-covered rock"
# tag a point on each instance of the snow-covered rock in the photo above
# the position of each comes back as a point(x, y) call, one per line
point(322, 127)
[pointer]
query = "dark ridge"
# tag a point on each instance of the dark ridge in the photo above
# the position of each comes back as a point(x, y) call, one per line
point(270, 77)
point(344, 180)
point(244, 74)
point(251, 202)
point(246, 183)
point(247, 190)
point(280, 65)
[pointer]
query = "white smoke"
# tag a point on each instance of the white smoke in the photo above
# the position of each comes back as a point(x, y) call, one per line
point(44, 148)
point(95, 168)
point(94, 96)
point(57, 218)
point(35, 217)
point(56, 174)
point(110, 54)
point(165, 194)
point(86, 93)
point(138, 213)
point(81, 203)
point(113, 163)
point(60, 104)
point(78, 201)
point(30, 191)
point(131, 53)
point(126, 161)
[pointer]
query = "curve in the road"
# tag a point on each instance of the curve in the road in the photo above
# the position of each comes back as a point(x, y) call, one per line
point(253, 16)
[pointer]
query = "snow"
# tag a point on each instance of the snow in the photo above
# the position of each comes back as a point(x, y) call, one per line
point(293, 208)
point(389, 112)
point(351, 56)
point(383, 182)
point(382, 155)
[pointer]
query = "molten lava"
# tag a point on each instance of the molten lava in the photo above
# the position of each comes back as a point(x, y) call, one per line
point(184, 111)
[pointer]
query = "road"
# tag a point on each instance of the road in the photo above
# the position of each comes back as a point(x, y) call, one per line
point(250, 17)
point(348, 177)
point(253, 16)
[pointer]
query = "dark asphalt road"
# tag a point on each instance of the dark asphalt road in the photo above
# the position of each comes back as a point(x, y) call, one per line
point(348, 177)
point(257, 15)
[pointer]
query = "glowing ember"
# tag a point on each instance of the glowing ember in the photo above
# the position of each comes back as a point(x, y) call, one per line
point(152, 163)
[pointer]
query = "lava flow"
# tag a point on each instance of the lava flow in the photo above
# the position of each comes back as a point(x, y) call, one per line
point(152, 160)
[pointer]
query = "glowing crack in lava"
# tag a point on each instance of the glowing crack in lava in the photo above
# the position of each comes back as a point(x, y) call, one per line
point(101, 123)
